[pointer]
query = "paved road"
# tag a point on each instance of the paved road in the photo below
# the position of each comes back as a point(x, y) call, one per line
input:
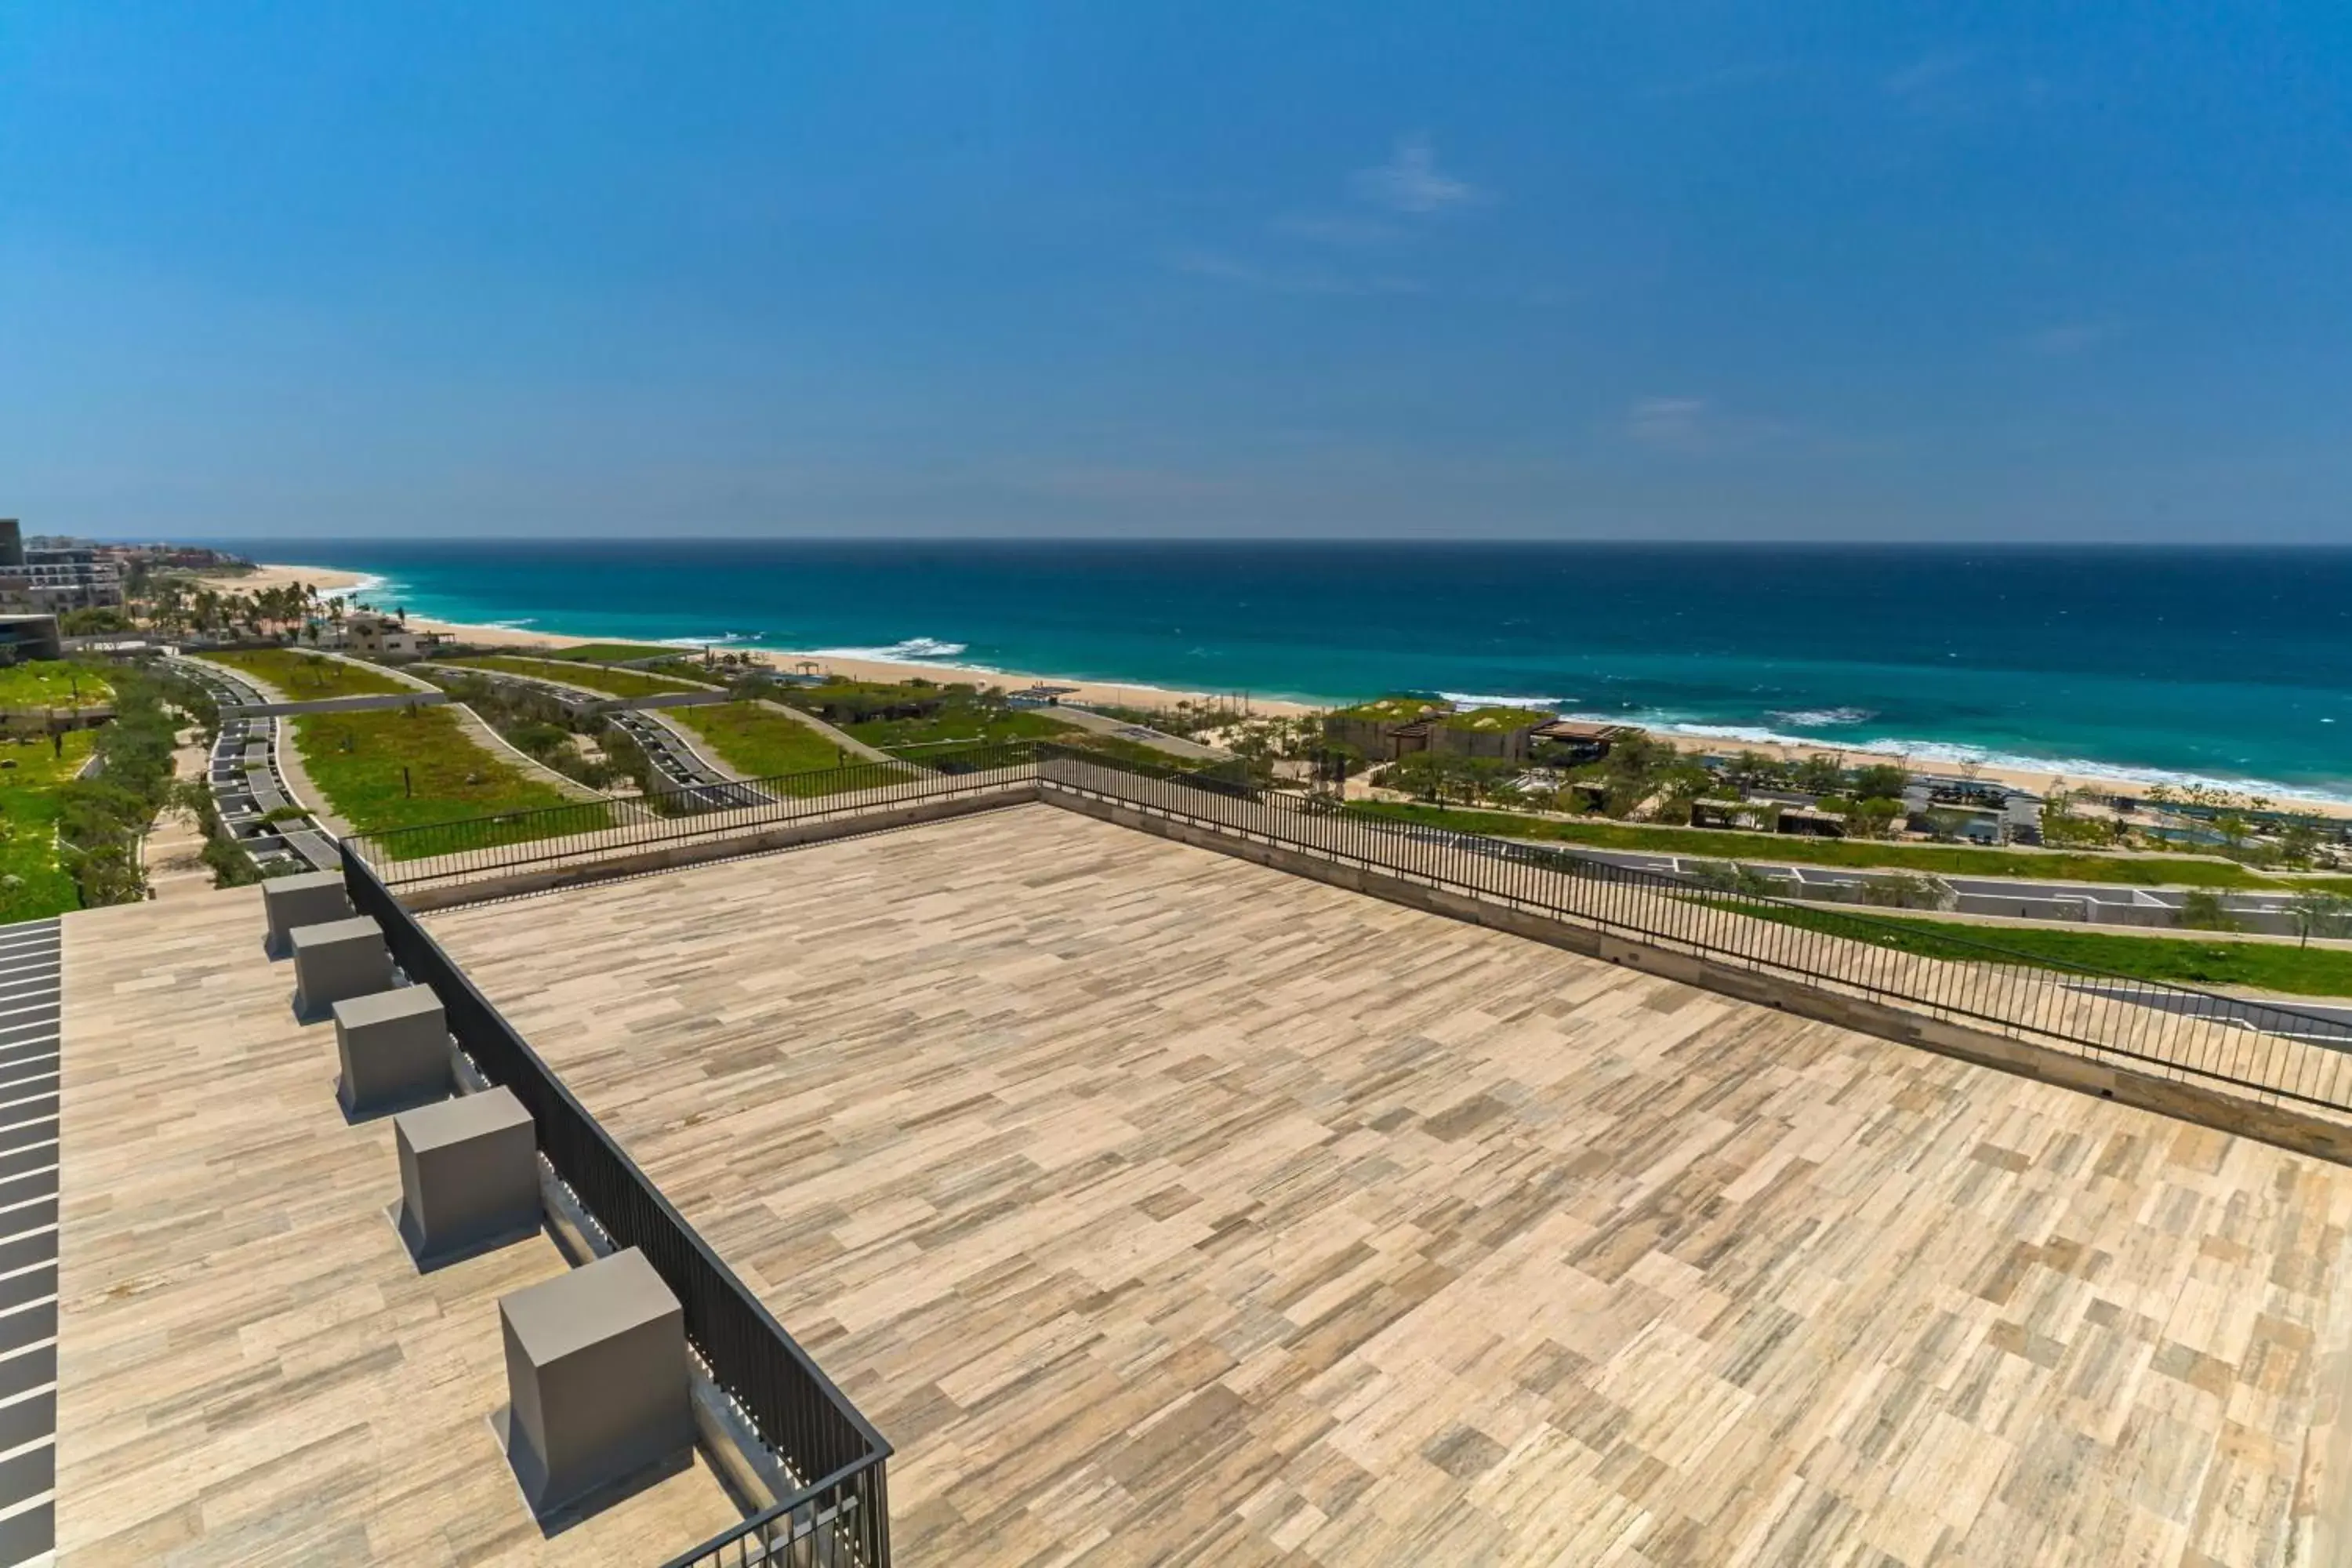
point(2295, 1017)
point(1104, 724)
point(29, 956)
point(678, 766)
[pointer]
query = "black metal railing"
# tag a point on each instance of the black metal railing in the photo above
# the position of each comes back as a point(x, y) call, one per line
point(842, 1512)
point(813, 1529)
point(518, 840)
point(2279, 1052)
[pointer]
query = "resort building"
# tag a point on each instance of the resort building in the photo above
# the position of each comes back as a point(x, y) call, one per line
point(25, 638)
point(1373, 727)
point(366, 632)
point(1396, 727)
point(1053, 1161)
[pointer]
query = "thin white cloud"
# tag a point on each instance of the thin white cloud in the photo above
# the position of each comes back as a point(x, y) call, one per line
point(1669, 424)
point(1410, 181)
point(1277, 279)
point(1693, 427)
point(1335, 228)
point(2067, 339)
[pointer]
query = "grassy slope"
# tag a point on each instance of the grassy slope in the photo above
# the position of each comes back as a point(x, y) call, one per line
point(618, 682)
point(969, 725)
point(365, 784)
point(29, 815)
point(51, 683)
point(756, 742)
point(287, 669)
point(2260, 965)
point(615, 652)
point(1767, 848)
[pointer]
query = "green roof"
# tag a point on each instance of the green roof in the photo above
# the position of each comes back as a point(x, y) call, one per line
point(1393, 710)
point(1492, 721)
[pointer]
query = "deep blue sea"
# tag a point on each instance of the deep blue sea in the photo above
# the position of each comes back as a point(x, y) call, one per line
point(2229, 665)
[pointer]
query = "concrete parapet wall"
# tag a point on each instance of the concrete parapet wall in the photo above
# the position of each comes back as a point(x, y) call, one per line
point(2305, 1132)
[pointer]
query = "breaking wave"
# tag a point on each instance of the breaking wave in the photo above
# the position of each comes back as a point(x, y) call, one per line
point(912, 650)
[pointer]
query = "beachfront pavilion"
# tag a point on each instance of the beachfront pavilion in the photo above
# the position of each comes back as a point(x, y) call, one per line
point(1156, 1205)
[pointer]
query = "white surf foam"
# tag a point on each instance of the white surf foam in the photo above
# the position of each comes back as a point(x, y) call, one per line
point(913, 650)
point(2085, 771)
point(1533, 704)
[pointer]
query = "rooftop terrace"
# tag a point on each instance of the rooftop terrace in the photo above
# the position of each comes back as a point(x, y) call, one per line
point(250, 1370)
point(1157, 1205)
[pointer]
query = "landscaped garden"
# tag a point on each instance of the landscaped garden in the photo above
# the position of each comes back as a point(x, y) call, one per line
point(405, 767)
point(35, 880)
point(595, 677)
point(616, 652)
point(41, 685)
point(2258, 965)
point(2142, 870)
point(756, 741)
point(895, 716)
point(304, 676)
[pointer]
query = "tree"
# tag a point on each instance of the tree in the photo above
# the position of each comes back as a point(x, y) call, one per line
point(1903, 891)
point(2202, 908)
point(1873, 817)
point(1819, 774)
point(1881, 780)
point(1730, 877)
point(2321, 915)
point(1943, 824)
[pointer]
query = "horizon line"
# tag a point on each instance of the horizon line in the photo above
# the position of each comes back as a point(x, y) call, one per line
point(673, 541)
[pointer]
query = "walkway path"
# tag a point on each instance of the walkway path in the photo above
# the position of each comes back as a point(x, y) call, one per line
point(175, 847)
point(1141, 734)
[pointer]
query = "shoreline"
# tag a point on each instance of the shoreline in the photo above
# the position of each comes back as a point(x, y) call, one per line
point(2038, 778)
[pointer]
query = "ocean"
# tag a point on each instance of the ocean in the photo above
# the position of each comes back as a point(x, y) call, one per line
point(2226, 665)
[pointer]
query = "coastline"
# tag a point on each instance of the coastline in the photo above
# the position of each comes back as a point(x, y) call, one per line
point(2040, 779)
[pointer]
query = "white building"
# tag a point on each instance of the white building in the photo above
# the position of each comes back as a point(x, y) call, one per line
point(369, 633)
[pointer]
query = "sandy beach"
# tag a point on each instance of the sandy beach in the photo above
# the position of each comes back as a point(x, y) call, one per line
point(1134, 694)
point(326, 579)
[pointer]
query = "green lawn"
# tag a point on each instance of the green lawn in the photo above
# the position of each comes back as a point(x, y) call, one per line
point(596, 678)
point(759, 742)
point(2259, 965)
point(304, 676)
point(618, 652)
point(34, 881)
point(51, 683)
point(2149, 871)
point(356, 759)
point(1120, 748)
point(970, 725)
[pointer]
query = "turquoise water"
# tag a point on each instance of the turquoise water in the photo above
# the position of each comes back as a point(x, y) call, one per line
point(2230, 666)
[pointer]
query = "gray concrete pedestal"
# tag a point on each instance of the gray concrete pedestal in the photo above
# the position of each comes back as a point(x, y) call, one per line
point(338, 959)
point(596, 1379)
point(315, 898)
point(468, 1175)
point(394, 1049)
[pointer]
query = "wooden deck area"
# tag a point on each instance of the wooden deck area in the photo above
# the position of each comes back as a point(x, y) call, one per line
point(1158, 1206)
point(250, 1370)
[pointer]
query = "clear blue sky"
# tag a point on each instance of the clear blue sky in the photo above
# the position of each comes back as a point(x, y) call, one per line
point(1850, 270)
